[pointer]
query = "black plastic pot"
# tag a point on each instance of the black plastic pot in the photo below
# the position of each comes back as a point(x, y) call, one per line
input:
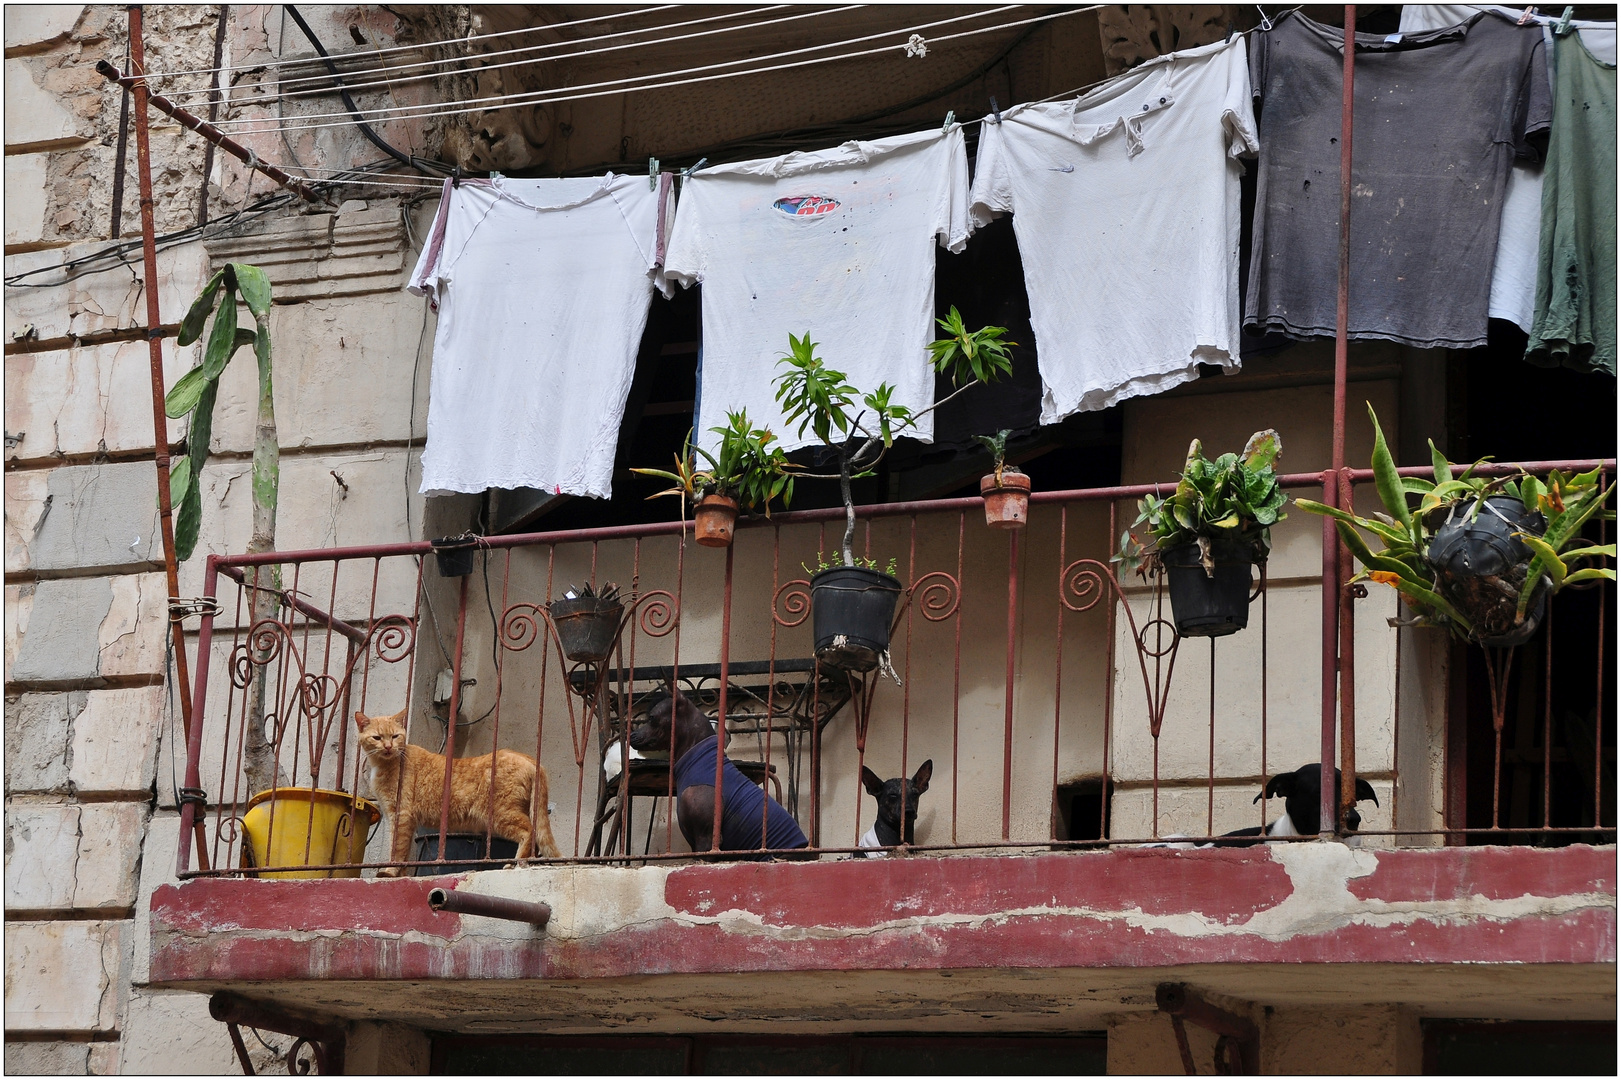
point(459, 848)
point(586, 627)
point(1209, 605)
point(851, 609)
point(1475, 560)
point(455, 555)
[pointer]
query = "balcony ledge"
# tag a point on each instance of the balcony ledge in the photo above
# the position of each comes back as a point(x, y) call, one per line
point(1494, 930)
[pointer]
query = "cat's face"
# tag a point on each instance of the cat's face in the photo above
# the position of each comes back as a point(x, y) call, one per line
point(381, 737)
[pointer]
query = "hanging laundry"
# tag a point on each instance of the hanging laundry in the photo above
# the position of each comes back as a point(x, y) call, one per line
point(835, 242)
point(1576, 273)
point(1126, 206)
point(1514, 268)
point(542, 288)
point(1439, 117)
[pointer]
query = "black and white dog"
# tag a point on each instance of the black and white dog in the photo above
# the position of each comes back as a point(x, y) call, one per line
point(1302, 792)
point(892, 827)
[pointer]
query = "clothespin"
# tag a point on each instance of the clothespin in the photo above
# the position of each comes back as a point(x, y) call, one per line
point(495, 175)
point(695, 166)
point(1564, 22)
point(456, 177)
point(996, 111)
point(1527, 15)
point(652, 174)
point(1266, 21)
point(1229, 32)
point(951, 116)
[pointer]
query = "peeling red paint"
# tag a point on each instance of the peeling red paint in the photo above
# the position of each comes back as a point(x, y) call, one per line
point(390, 907)
point(221, 931)
point(1225, 885)
point(1492, 873)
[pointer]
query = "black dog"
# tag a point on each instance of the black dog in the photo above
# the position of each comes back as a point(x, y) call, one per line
point(693, 762)
point(892, 795)
point(1302, 804)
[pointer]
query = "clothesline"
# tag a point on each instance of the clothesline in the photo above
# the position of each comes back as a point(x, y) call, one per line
point(617, 86)
point(324, 82)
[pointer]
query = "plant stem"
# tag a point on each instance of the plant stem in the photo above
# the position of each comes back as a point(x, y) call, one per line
point(849, 509)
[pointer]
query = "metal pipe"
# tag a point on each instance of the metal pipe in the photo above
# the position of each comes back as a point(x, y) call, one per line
point(1335, 661)
point(720, 716)
point(450, 718)
point(304, 607)
point(154, 349)
point(1174, 998)
point(137, 85)
point(491, 907)
point(1007, 705)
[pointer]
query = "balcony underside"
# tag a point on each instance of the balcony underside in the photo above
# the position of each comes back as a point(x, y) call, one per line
point(1048, 942)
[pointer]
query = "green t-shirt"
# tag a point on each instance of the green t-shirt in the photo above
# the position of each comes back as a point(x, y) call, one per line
point(1574, 323)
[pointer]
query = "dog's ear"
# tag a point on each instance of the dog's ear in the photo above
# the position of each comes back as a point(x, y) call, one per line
point(870, 781)
point(1280, 786)
point(361, 720)
point(921, 778)
point(1364, 791)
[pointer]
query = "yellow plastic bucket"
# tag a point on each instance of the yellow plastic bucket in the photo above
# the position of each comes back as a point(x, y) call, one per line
point(312, 827)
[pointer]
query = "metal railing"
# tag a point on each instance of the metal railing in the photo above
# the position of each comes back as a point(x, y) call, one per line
point(1021, 659)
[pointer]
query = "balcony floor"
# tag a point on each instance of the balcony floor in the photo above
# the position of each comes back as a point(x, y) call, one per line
point(1045, 942)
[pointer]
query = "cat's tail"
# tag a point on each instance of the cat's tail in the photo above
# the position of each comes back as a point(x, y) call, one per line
point(540, 813)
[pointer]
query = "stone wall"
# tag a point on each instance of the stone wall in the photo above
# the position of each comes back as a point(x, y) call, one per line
point(92, 755)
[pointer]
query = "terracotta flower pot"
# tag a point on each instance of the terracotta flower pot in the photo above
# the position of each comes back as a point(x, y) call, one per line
point(713, 521)
point(1007, 505)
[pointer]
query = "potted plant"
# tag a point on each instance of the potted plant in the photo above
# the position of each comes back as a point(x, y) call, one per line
point(1479, 557)
point(745, 473)
point(1005, 489)
point(587, 622)
point(1209, 532)
point(852, 605)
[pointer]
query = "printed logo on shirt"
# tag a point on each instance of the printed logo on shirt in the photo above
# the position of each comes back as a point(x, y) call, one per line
point(806, 205)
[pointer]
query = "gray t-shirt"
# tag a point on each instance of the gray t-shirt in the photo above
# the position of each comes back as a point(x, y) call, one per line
point(1439, 118)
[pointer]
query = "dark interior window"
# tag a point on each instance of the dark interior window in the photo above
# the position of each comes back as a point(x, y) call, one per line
point(1082, 810)
point(1518, 1048)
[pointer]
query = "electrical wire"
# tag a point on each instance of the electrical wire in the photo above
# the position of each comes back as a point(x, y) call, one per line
point(438, 44)
point(281, 91)
point(546, 97)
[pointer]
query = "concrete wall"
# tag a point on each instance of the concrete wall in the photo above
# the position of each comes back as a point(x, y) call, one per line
point(92, 758)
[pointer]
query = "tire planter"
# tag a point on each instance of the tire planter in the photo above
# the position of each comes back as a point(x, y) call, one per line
point(455, 555)
point(1209, 605)
point(463, 852)
point(1007, 505)
point(586, 627)
point(298, 826)
point(1480, 567)
point(851, 611)
point(713, 520)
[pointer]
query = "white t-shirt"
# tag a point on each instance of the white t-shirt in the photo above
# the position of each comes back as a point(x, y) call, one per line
point(543, 289)
point(837, 242)
point(1514, 268)
point(1125, 205)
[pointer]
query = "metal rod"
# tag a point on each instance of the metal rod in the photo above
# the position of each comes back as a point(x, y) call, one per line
point(137, 85)
point(450, 720)
point(1347, 630)
point(720, 715)
point(1175, 999)
point(213, 110)
point(160, 419)
point(1007, 718)
point(492, 907)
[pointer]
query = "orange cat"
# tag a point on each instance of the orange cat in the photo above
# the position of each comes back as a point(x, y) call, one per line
point(410, 783)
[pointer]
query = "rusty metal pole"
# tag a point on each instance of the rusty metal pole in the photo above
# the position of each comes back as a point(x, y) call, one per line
point(720, 718)
point(450, 719)
point(154, 345)
point(1007, 718)
point(1347, 667)
point(1333, 595)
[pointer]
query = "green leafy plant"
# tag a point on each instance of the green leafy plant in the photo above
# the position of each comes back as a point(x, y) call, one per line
point(193, 396)
point(1405, 532)
point(861, 427)
point(1233, 498)
point(831, 561)
point(997, 445)
point(745, 467)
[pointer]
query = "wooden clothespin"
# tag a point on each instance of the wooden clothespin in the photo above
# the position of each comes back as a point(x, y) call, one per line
point(951, 117)
point(652, 174)
point(996, 111)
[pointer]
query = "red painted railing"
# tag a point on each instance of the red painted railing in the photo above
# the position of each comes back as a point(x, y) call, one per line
point(362, 630)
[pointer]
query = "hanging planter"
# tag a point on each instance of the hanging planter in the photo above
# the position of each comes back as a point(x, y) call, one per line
point(1481, 566)
point(852, 608)
point(713, 520)
point(296, 826)
point(587, 624)
point(1211, 602)
point(1007, 499)
point(455, 555)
